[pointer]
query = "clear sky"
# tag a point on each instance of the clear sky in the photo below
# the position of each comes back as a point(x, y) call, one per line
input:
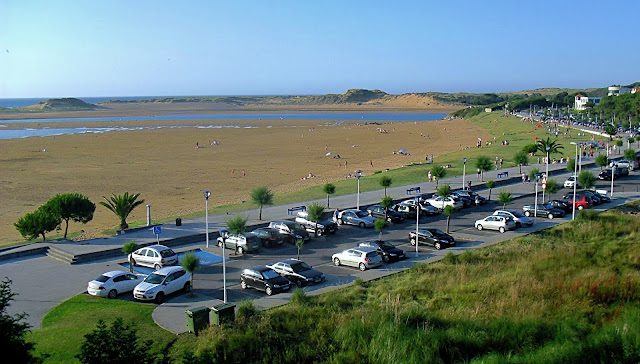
point(59, 48)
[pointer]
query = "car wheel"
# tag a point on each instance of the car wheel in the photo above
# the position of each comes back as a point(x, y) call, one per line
point(133, 262)
point(340, 222)
point(550, 216)
point(361, 225)
point(187, 287)
point(518, 225)
point(580, 207)
point(299, 283)
point(362, 267)
point(112, 294)
point(479, 227)
point(240, 250)
point(501, 229)
point(160, 297)
point(243, 284)
point(389, 219)
point(527, 213)
point(437, 246)
point(385, 259)
point(336, 262)
point(268, 291)
point(157, 267)
point(412, 241)
point(219, 243)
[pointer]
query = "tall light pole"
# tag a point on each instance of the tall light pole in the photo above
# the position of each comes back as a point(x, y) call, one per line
point(575, 181)
point(358, 175)
point(546, 174)
point(535, 204)
point(223, 234)
point(613, 173)
point(206, 214)
point(417, 199)
point(464, 171)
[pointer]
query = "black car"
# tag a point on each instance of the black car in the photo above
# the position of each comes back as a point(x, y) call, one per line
point(563, 205)
point(474, 197)
point(406, 210)
point(385, 249)
point(605, 174)
point(264, 279)
point(269, 237)
point(431, 236)
point(297, 272)
point(603, 198)
point(594, 198)
point(377, 211)
point(543, 210)
point(463, 200)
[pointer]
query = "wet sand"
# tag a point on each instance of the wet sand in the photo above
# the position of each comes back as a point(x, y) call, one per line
point(168, 170)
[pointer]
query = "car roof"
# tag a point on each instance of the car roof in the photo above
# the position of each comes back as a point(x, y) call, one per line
point(158, 247)
point(290, 261)
point(259, 268)
point(371, 241)
point(114, 273)
point(168, 270)
point(353, 210)
point(511, 211)
point(363, 249)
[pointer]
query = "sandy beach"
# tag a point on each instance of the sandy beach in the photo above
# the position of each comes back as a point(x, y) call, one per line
point(169, 167)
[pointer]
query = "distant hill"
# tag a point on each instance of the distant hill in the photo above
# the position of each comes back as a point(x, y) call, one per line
point(62, 104)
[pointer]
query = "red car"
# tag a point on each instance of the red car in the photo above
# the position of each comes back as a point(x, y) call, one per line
point(581, 201)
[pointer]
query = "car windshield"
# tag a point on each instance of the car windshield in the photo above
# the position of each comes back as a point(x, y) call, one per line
point(371, 254)
point(300, 267)
point(167, 253)
point(517, 214)
point(547, 205)
point(385, 245)
point(154, 278)
point(436, 232)
point(269, 274)
point(102, 278)
point(361, 214)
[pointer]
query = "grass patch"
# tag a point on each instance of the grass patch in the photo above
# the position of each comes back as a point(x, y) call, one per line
point(64, 327)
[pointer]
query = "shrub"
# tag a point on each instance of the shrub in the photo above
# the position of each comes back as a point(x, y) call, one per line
point(246, 310)
point(450, 258)
point(299, 297)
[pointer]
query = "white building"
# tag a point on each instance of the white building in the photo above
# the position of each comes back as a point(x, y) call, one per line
point(618, 90)
point(581, 101)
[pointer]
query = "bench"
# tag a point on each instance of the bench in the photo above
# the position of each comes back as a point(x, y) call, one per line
point(412, 190)
point(292, 210)
point(503, 174)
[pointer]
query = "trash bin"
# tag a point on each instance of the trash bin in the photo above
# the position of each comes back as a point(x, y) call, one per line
point(178, 222)
point(197, 319)
point(223, 313)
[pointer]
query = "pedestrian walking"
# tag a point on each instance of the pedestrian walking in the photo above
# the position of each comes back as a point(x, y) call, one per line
point(524, 178)
point(479, 172)
point(430, 177)
point(469, 185)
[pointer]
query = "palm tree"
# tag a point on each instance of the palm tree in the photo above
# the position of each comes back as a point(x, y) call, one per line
point(483, 163)
point(122, 205)
point(127, 249)
point(554, 147)
point(521, 158)
point(438, 172)
point(505, 197)
point(630, 155)
point(237, 225)
point(552, 187)
point(386, 202)
point(490, 184)
point(315, 213)
point(586, 179)
point(299, 245)
point(329, 189)
point(611, 130)
point(448, 211)
point(385, 181)
point(444, 190)
point(191, 263)
point(262, 196)
point(601, 161)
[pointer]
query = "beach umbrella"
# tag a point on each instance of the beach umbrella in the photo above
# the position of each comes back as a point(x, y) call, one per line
point(328, 154)
point(402, 151)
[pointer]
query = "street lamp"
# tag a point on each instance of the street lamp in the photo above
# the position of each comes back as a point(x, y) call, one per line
point(206, 214)
point(464, 171)
point(358, 175)
point(223, 235)
point(417, 199)
point(613, 173)
point(535, 204)
point(575, 181)
point(546, 174)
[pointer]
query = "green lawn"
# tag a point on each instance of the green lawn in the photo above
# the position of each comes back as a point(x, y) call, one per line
point(64, 327)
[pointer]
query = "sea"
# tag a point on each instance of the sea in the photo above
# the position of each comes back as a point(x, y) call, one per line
point(35, 127)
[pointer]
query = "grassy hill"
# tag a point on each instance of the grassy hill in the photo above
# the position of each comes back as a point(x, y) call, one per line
point(62, 104)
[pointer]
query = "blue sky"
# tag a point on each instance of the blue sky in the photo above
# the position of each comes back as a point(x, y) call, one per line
point(131, 48)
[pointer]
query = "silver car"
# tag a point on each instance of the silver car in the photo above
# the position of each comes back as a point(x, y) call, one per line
point(355, 217)
point(363, 258)
point(516, 216)
point(495, 222)
point(154, 256)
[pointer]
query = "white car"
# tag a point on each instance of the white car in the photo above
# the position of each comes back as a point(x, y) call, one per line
point(516, 216)
point(154, 256)
point(113, 283)
point(570, 182)
point(442, 202)
point(360, 257)
point(161, 283)
point(495, 222)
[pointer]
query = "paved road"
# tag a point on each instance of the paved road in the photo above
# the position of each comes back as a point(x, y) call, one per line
point(42, 282)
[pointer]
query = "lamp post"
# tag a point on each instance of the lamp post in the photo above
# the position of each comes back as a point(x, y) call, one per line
point(223, 234)
point(535, 204)
point(358, 175)
point(575, 181)
point(206, 193)
point(464, 171)
point(546, 174)
point(417, 199)
point(613, 173)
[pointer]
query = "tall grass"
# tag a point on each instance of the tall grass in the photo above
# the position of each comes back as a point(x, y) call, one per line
point(569, 294)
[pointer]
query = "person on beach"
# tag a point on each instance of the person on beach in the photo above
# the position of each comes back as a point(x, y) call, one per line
point(430, 177)
point(479, 172)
